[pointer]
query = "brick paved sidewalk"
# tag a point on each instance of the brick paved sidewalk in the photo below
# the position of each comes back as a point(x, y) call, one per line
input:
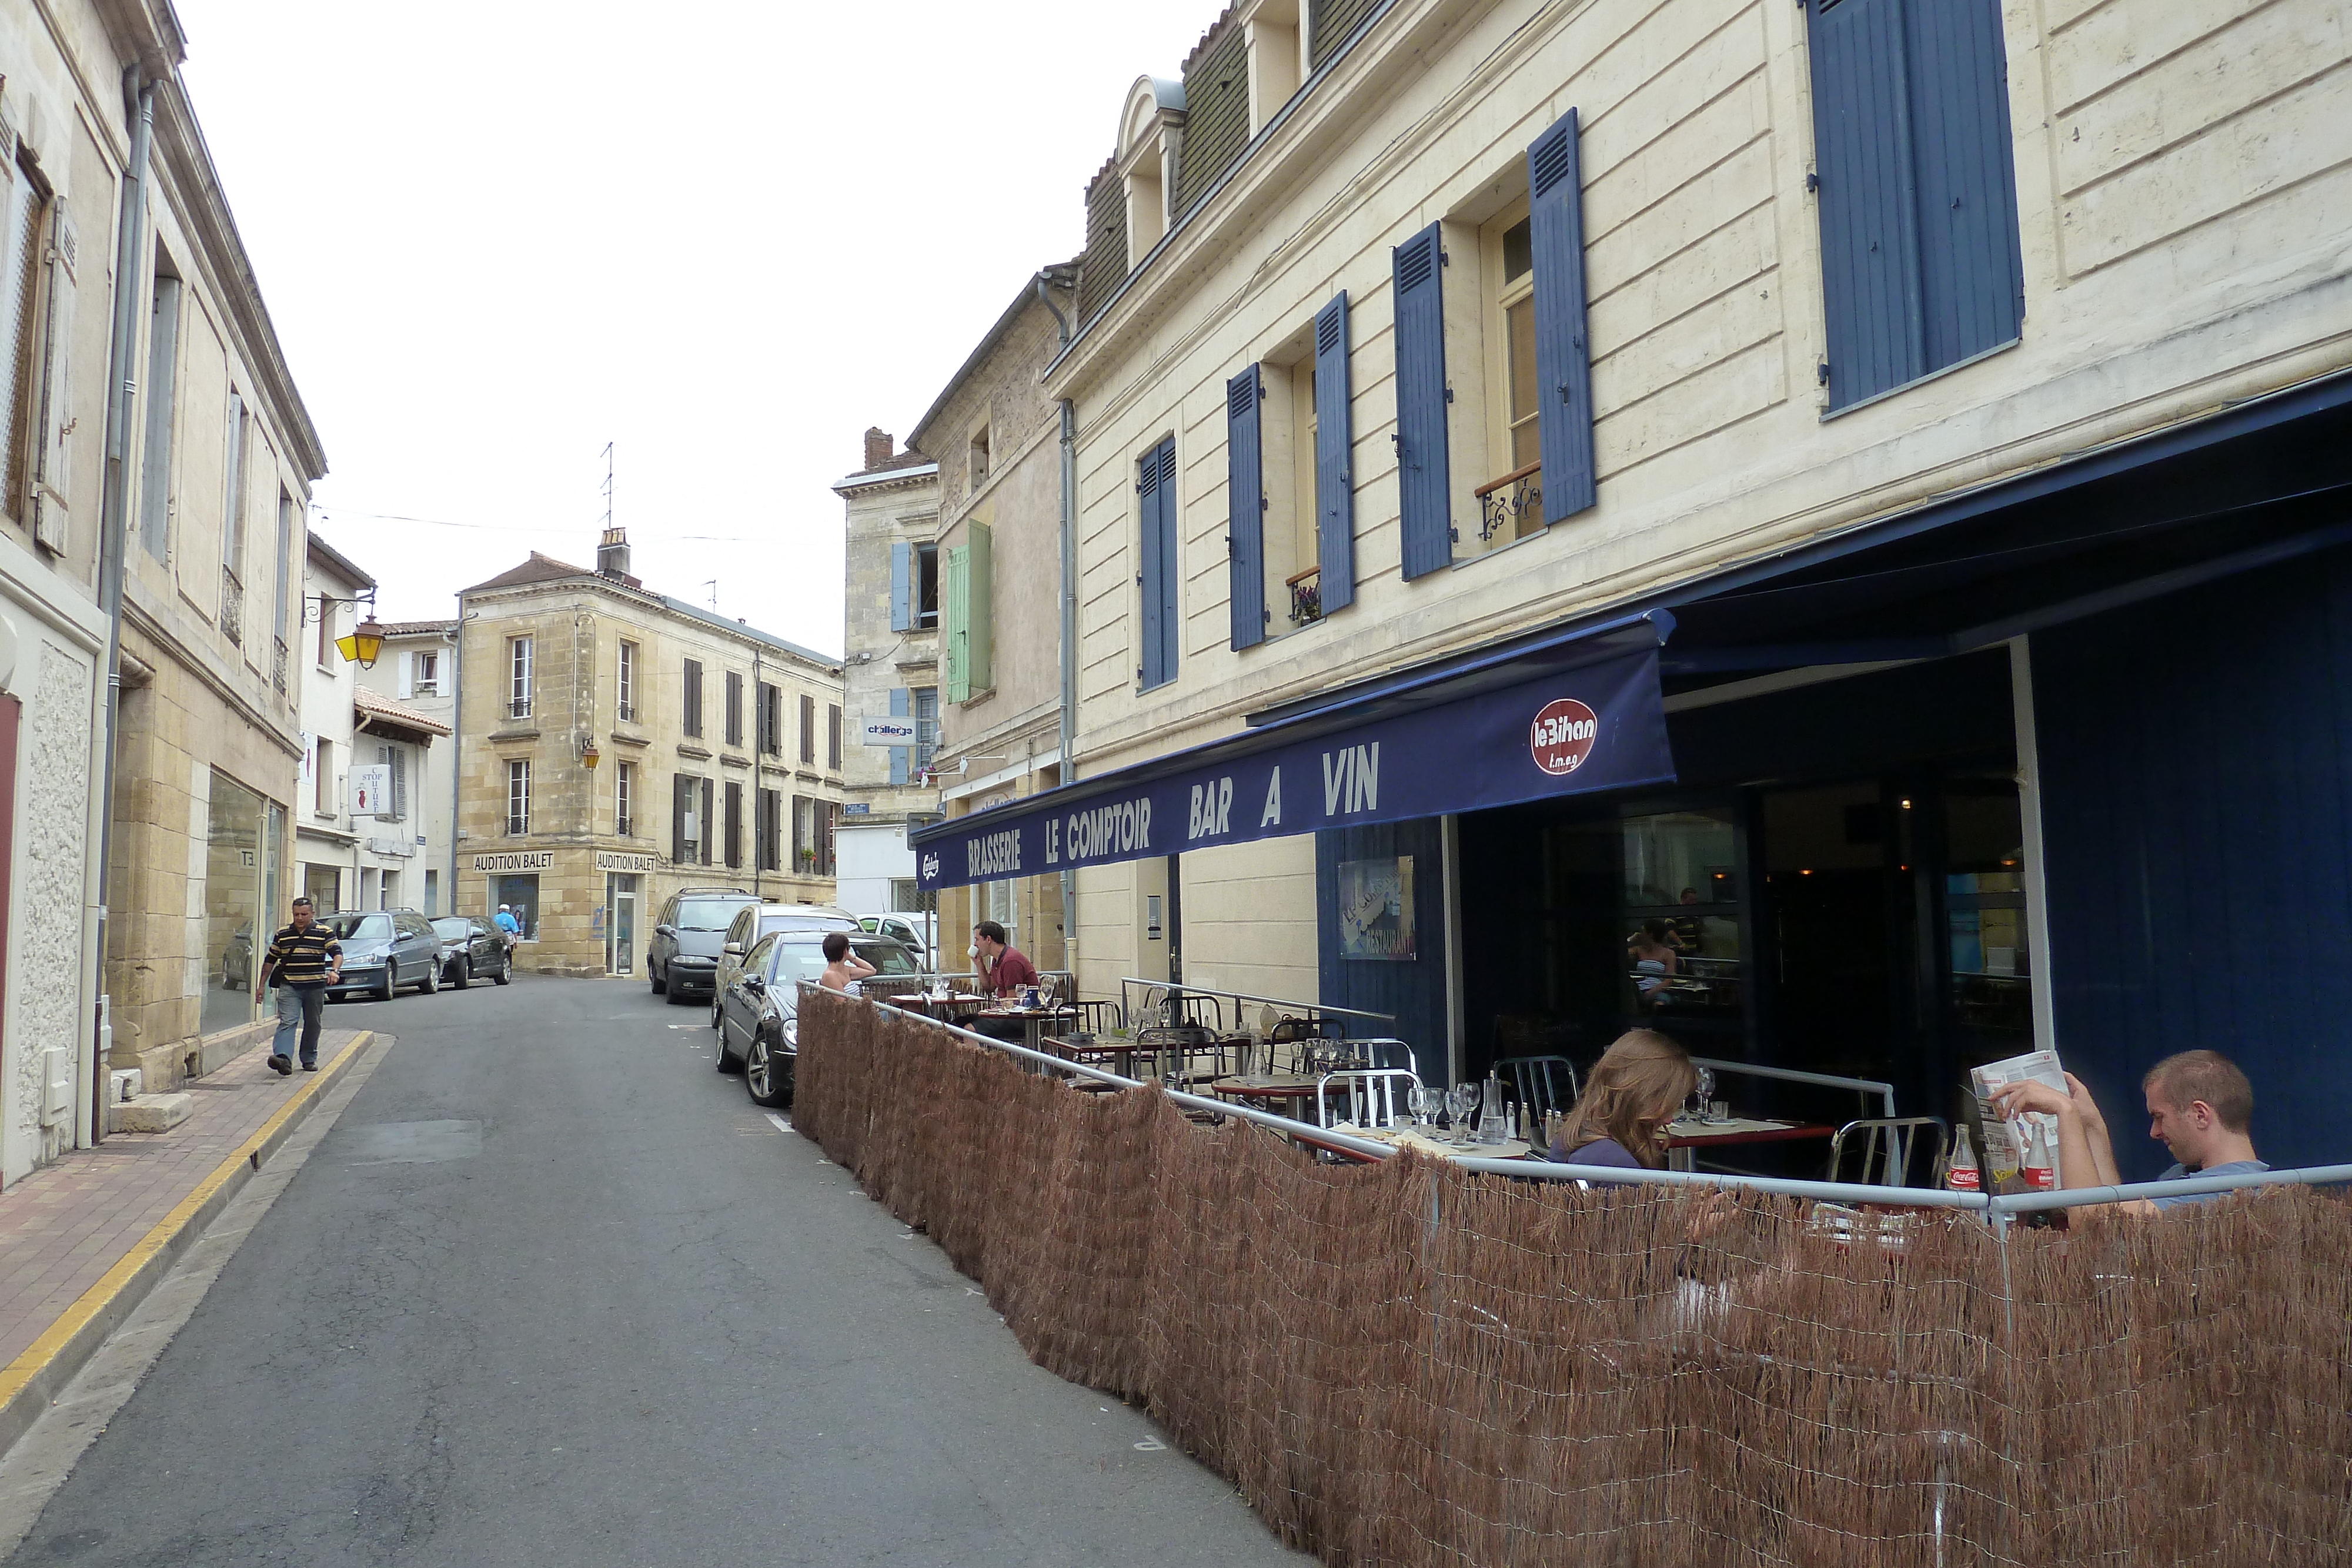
point(64, 1226)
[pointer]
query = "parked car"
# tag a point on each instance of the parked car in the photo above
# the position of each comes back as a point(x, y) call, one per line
point(472, 946)
point(754, 921)
point(759, 1027)
point(385, 949)
point(919, 931)
point(682, 959)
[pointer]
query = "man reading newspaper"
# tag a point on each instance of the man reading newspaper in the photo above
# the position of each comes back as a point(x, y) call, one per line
point(2200, 1107)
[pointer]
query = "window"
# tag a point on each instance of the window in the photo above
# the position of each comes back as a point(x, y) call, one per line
point(734, 710)
point(326, 632)
point(803, 836)
point(833, 737)
point(1510, 493)
point(689, 719)
point(20, 248)
point(396, 798)
point(520, 894)
point(920, 704)
point(425, 674)
point(734, 824)
point(519, 677)
point(155, 460)
point(689, 820)
point(771, 719)
point(978, 458)
point(285, 571)
point(624, 687)
point(232, 610)
point(1276, 65)
point(1291, 510)
point(914, 587)
point(1157, 578)
point(322, 763)
point(808, 728)
point(517, 796)
point(625, 798)
point(824, 811)
point(769, 829)
point(1920, 263)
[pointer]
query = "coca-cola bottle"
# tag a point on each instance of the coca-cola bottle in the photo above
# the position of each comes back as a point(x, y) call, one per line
point(2040, 1170)
point(1962, 1176)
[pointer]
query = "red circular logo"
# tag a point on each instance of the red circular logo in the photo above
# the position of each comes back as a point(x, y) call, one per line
point(1562, 736)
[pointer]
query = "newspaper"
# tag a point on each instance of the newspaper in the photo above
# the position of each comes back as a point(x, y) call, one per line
point(2001, 1143)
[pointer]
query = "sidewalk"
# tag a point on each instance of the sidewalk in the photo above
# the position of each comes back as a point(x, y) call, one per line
point(69, 1227)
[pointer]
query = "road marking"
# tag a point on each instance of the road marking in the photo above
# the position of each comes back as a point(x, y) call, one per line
point(1151, 1445)
point(782, 1125)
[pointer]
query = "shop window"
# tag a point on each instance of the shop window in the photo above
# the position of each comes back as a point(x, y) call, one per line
point(1684, 937)
point(1984, 903)
point(237, 918)
point(520, 893)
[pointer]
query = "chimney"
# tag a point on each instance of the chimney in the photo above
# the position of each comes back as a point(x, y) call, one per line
point(612, 554)
point(878, 443)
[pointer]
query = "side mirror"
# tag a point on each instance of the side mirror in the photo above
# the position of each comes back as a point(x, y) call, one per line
point(753, 984)
point(733, 949)
point(663, 931)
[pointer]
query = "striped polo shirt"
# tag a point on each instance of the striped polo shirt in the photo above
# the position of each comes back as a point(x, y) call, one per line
point(302, 957)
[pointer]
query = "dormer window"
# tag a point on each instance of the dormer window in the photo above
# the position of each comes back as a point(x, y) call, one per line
point(1150, 139)
point(1277, 59)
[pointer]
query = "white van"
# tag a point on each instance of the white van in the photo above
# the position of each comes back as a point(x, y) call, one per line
point(919, 932)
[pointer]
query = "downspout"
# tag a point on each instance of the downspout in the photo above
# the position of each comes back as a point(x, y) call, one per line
point(1069, 729)
point(113, 541)
point(758, 718)
point(457, 753)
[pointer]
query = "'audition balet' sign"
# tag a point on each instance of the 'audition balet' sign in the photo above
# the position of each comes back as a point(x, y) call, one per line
point(1598, 726)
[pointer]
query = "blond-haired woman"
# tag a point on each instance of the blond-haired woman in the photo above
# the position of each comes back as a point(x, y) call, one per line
point(1632, 1091)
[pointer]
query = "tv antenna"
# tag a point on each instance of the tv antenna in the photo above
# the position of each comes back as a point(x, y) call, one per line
point(607, 523)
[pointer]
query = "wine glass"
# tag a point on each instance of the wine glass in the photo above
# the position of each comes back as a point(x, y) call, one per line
point(1416, 1101)
point(1459, 1102)
point(1703, 1092)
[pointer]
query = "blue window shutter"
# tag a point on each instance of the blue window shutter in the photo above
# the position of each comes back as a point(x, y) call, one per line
point(1424, 503)
point(1335, 493)
point(899, 771)
point(1157, 583)
point(1971, 273)
point(1147, 577)
point(1563, 359)
point(1245, 492)
point(1170, 625)
point(902, 574)
point(1870, 235)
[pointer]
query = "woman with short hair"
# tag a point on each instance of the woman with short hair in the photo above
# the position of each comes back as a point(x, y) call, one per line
point(843, 968)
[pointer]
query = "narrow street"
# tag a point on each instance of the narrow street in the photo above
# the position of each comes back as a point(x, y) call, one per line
point(553, 1291)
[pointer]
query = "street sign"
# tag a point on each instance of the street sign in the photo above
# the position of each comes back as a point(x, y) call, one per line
point(370, 789)
point(892, 731)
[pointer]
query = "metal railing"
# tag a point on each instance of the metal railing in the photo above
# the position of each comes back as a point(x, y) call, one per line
point(1885, 1092)
point(1304, 1008)
point(1999, 1209)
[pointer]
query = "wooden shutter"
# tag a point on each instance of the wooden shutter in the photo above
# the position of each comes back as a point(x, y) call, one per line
point(734, 709)
point(1972, 276)
point(1870, 239)
point(808, 728)
point(1158, 577)
point(155, 462)
point(1334, 492)
point(901, 755)
point(1564, 359)
point(50, 478)
point(734, 824)
point(833, 737)
point(708, 823)
point(980, 607)
point(902, 577)
point(678, 785)
point(1246, 516)
point(690, 722)
point(959, 624)
point(398, 756)
point(1424, 503)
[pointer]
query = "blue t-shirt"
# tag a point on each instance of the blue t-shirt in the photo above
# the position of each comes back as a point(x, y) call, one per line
point(506, 923)
point(1605, 1152)
point(2182, 1173)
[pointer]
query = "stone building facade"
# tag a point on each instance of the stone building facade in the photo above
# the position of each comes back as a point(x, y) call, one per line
point(418, 672)
point(616, 746)
point(998, 438)
point(115, 214)
point(891, 513)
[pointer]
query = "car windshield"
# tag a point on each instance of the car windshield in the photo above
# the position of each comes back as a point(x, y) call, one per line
point(453, 928)
point(888, 957)
point(708, 914)
point(798, 961)
point(358, 927)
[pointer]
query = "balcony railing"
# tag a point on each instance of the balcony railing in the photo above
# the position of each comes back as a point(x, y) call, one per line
point(1305, 596)
point(622, 828)
point(232, 609)
point(1504, 503)
point(517, 708)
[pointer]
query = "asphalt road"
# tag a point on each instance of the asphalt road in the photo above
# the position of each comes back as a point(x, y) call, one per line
point(555, 1291)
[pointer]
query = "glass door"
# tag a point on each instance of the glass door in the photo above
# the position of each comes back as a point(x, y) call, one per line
point(621, 925)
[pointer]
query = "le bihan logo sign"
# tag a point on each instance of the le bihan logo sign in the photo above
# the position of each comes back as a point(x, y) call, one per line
point(1562, 735)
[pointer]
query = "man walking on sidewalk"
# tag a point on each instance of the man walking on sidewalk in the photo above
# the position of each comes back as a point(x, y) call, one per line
point(303, 960)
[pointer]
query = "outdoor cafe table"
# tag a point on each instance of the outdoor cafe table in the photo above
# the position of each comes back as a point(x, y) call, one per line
point(1032, 1021)
point(949, 1008)
point(1269, 1092)
point(1422, 1140)
point(1685, 1135)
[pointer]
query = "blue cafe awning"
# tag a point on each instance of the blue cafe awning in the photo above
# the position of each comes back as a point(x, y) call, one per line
point(1558, 719)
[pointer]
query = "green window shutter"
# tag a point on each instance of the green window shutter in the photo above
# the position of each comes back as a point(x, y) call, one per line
point(959, 623)
point(980, 596)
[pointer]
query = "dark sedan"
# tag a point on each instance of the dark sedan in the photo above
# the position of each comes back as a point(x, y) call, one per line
point(472, 949)
point(759, 1013)
point(383, 950)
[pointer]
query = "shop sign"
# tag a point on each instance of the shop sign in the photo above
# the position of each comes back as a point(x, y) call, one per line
point(887, 732)
point(1601, 726)
point(614, 860)
point(528, 860)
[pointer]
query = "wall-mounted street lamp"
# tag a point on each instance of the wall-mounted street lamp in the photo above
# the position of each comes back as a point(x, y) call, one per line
point(363, 643)
point(588, 752)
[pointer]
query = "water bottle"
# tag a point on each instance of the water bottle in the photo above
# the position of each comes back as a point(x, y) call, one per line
point(1493, 1122)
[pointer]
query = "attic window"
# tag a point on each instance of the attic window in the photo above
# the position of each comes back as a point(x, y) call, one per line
point(980, 469)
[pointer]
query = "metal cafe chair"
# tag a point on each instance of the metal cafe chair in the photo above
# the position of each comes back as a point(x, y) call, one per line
point(1540, 1080)
point(1175, 1050)
point(1890, 1147)
point(1385, 1052)
point(1098, 1015)
point(1370, 1095)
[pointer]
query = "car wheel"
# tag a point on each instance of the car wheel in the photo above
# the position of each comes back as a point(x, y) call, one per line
point(432, 980)
point(506, 969)
point(728, 1060)
point(391, 981)
point(461, 973)
point(660, 985)
point(767, 1077)
point(714, 1010)
point(676, 997)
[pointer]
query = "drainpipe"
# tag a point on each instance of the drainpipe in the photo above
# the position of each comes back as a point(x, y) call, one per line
point(1069, 659)
point(458, 749)
point(112, 540)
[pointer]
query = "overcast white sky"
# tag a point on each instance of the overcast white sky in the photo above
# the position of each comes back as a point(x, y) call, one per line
point(728, 238)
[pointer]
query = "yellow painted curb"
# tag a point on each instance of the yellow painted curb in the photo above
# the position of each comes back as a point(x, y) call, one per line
point(95, 1302)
